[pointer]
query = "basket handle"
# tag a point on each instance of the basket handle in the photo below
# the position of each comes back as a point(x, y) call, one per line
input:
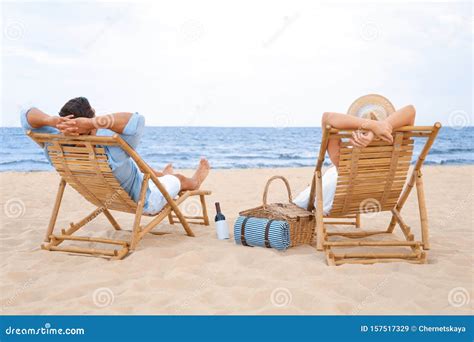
point(265, 192)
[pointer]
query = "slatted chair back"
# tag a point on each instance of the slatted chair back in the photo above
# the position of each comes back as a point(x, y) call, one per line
point(371, 178)
point(83, 163)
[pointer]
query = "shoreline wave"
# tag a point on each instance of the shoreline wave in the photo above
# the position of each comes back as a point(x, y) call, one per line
point(230, 148)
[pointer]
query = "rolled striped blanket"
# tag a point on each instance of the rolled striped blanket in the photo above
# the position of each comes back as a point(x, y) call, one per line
point(252, 231)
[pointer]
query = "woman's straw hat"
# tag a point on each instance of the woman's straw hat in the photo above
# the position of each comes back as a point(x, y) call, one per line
point(372, 106)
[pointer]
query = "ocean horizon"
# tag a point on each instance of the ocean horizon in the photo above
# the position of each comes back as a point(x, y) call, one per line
point(231, 147)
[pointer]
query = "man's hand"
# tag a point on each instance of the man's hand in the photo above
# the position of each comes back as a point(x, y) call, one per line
point(70, 126)
point(54, 121)
point(115, 122)
point(362, 139)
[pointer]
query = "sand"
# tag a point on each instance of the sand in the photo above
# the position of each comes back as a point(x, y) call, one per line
point(176, 274)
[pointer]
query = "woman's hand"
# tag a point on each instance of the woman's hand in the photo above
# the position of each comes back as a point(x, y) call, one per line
point(362, 139)
point(382, 129)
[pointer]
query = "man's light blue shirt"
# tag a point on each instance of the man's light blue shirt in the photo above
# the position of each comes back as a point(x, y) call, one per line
point(123, 167)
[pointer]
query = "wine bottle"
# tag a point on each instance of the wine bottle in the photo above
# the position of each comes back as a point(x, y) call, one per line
point(219, 215)
point(222, 229)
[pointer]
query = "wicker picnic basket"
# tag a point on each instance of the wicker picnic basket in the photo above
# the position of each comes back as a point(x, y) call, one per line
point(302, 222)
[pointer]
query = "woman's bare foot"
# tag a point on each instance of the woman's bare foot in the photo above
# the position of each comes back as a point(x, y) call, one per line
point(168, 170)
point(201, 172)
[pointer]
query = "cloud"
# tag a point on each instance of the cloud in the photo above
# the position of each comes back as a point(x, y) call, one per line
point(37, 56)
point(170, 60)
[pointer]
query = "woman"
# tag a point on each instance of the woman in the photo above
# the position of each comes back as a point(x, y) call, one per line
point(368, 127)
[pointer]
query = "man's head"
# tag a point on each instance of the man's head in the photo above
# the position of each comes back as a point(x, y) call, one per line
point(74, 112)
point(79, 107)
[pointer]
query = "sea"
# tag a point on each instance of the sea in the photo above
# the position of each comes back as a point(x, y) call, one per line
point(231, 148)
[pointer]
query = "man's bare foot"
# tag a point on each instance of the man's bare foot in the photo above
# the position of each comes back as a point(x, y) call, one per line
point(168, 170)
point(201, 172)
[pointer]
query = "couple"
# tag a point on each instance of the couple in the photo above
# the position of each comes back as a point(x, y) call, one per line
point(77, 117)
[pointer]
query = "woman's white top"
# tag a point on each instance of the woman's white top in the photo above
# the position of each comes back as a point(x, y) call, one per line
point(329, 190)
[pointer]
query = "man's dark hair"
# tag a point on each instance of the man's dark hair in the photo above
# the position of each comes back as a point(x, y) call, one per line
point(79, 107)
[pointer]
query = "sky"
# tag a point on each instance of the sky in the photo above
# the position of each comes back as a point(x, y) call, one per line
point(237, 63)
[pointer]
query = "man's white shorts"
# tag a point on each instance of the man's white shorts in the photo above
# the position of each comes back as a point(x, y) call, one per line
point(155, 199)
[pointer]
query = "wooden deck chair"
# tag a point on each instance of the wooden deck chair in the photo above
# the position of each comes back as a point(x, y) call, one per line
point(82, 163)
point(376, 176)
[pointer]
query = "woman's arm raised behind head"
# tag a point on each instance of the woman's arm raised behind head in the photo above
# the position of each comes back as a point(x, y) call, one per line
point(405, 116)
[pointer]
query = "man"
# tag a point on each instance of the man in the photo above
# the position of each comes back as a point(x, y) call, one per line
point(77, 117)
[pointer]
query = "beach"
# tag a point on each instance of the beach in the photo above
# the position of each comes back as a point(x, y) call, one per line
point(177, 275)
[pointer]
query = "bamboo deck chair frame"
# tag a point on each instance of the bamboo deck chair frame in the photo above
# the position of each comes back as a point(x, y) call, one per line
point(348, 220)
point(82, 163)
point(377, 172)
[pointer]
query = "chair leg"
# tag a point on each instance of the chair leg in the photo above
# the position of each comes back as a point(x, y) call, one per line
point(138, 215)
point(205, 215)
point(320, 235)
point(111, 219)
point(135, 231)
point(422, 208)
point(401, 201)
point(54, 214)
point(392, 224)
point(330, 259)
point(183, 222)
point(174, 205)
point(406, 230)
point(202, 220)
